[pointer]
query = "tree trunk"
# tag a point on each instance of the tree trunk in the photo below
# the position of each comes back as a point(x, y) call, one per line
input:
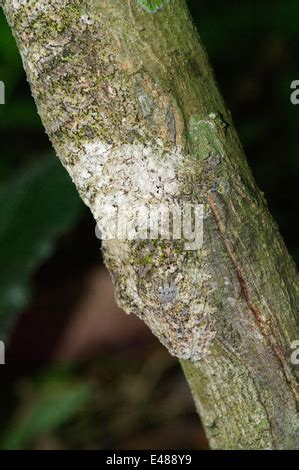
point(130, 103)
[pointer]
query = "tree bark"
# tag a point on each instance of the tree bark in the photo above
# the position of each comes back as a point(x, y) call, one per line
point(130, 103)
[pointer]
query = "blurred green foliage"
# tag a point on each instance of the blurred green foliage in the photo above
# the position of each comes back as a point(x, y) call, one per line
point(36, 205)
point(52, 401)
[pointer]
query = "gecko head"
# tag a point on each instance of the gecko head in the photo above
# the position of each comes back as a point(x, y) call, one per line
point(157, 281)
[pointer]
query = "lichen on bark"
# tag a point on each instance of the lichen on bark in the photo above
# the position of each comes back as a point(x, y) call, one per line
point(129, 101)
point(152, 5)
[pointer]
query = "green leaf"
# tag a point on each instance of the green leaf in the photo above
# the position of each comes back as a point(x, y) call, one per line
point(56, 400)
point(36, 206)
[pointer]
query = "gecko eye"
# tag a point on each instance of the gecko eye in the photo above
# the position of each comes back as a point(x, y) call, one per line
point(167, 293)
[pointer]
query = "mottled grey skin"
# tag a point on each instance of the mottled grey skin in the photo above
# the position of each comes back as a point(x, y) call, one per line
point(114, 83)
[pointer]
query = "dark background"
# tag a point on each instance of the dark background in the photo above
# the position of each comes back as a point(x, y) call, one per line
point(79, 373)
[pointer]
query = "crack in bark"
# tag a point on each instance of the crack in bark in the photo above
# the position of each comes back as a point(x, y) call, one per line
point(255, 311)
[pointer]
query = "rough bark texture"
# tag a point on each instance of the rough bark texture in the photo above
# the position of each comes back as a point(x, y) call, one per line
point(129, 101)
